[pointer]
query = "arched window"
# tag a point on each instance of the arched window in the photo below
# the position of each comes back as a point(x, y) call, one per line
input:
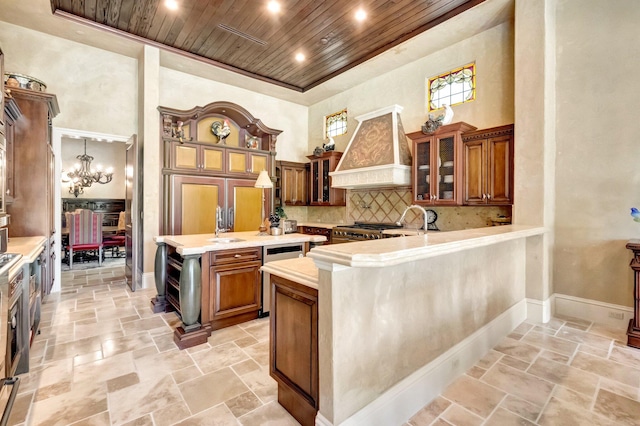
point(454, 87)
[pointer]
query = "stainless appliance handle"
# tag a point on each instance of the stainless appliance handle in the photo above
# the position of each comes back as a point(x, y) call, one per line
point(15, 381)
point(229, 220)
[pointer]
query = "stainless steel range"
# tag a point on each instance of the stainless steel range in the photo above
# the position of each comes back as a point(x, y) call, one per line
point(361, 231)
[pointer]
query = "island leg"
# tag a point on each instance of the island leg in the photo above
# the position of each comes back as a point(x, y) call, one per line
point(191, 333)
point(159, 303)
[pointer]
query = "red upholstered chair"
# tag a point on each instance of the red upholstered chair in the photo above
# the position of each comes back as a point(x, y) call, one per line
point(85, 233)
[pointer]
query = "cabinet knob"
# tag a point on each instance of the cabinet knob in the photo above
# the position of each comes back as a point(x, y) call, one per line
point(488, 196)
point(484, 196)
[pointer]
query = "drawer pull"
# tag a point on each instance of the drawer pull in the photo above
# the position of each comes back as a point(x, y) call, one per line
point(237, 256)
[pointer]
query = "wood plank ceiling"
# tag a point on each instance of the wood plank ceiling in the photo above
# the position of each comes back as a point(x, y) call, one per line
point(243, 36)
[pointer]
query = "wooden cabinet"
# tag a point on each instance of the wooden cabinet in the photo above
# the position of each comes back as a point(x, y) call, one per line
point(202, 172)
point(293, 183)
point(294, 347)
point(316, 230)
point(437, 165)
point(320, 191)
point(32, 209)
point(488, 166)
point(247, 163)
point(235, 284)
point(11, 114)
point(194, 201)
point(194, 157)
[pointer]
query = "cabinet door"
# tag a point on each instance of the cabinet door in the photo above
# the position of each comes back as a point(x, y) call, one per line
point(444, 170)
point(474, 173)
point(294, 185)
point(185, 156)
point(194, 200)
point(236, 289)
point(246, 163)
point(212, 159)
point(244, 205)
point(499, 170)
point(422, 175)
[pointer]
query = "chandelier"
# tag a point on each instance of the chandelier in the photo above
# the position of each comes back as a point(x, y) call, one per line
point(83, 176)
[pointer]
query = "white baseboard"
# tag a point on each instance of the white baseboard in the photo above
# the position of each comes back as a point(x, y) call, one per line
point(148, 280)
point(540, 310)
point(617, 316)
point(397, 405)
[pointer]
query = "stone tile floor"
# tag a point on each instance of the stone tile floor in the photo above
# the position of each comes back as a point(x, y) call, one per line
point(103, 358)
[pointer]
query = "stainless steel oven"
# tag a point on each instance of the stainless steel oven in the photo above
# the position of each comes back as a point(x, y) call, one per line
point(269, 254)
point(8, 385)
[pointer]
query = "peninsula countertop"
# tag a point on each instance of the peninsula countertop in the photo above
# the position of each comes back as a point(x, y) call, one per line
point(202, 243)
point(28, 247)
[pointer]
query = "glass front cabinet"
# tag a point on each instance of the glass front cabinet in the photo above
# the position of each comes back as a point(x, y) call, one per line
point(320, 190)
point(437, 165)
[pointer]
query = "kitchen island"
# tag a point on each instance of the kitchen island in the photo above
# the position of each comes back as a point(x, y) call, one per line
point(213, 282)
point(400, 318)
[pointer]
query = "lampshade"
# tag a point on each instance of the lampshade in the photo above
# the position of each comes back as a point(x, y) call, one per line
point(264, 181)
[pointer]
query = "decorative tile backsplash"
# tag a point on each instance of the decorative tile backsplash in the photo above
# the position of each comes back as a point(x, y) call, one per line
point(387, 205)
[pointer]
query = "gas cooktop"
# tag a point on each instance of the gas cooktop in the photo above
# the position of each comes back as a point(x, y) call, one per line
point(377, 226)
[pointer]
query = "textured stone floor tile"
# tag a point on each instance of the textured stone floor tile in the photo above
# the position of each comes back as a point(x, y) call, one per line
point(489, 359)
point(245, 367)
point(580, 336)
point(227, 335)
point(560, 413)
point(171, 414)
point(140, 421)
point(545, 330)
point(211, 389)
point(83, 401)
point(520, 384)
point(625, 356)
point(430, 412)
point(263, 385)
point(150, 350)
point(105, 369)
point(565, 375)
point(21, 408)
point(608, 369)
point(514, 362)
point(271, 414)
point(523, 328)
point(243, 403)
point(260, 331)
point(618, 408)
point(145, 397)
point(620, 389)
point(69, 317)
point(218, 357)
point(515, 336)
point(186, 374)
point(246, 341)
point(578, 399)
point(441, 422)
point(83, 331)
point(476, 372)
point(474, 395)
point(591, 350)
point(110, 313)
point(521, 407)
point(517, 349)
point(502, 417)
point(100, 419)
point(259, 353)
point(609, 332)
point(164, 342)
point(49, 374)
point(122, 344)
point(44, 392)
point(150, 324)
point(554, 356)
point(457, 415)
point(165, 362)
point(551, 343)
point(122, 382)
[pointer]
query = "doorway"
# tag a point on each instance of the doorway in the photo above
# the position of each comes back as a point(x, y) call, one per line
point(103, 153)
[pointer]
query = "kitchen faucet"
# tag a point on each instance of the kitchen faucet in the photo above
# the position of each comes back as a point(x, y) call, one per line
point(219, 222)
point(424, 216)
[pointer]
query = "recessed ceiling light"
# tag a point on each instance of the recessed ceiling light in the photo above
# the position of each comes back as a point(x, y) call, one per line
point(273, 6)
point(300, 57)
point(171, 4)
point(361, 15)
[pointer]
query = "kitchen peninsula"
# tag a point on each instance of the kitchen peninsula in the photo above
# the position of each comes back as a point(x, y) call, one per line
point(214, 281)
point(399, 318)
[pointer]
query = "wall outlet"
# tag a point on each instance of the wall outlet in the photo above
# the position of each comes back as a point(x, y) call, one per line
point(616, 315)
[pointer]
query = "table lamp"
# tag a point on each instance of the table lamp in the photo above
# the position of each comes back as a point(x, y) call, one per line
point(263, 181)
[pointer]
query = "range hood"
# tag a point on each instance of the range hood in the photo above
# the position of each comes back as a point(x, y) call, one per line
point(378, 153)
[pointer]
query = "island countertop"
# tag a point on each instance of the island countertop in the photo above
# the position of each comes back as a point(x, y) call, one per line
point(393, 251)
point(28, 247)
point(301, 270)
point(202, 243)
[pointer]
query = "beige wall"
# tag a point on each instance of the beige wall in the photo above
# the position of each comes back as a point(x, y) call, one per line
point(492, 50)
point(96, 89)
point(105, 154)
point(597, 172)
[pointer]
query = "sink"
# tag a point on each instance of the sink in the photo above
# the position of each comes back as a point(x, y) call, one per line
point(225, 240)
